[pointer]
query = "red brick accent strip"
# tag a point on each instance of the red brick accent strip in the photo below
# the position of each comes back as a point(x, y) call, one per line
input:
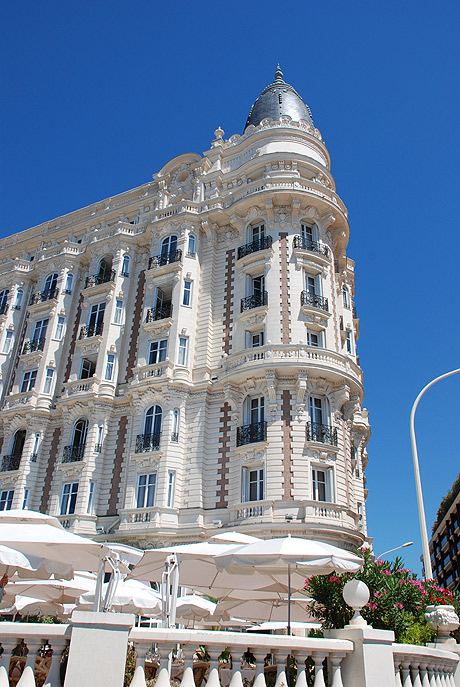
point(1, 443)
point(284, 290)
point(132, 349)
point(223, 456)
point(118, 464)
point(50, 469)
point(287, 442)
point(228, 300)
point(74, 339)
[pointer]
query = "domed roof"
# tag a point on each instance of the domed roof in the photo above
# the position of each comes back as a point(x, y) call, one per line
point(279, 98)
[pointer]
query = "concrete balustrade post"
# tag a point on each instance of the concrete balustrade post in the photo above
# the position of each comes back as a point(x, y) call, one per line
point(318, 660)
point(27, 678)
point(415, 674)
point(425, 680)
point(187, 678)
point(53, 679)
point(259, 680)
point(301, 670)
point(406, 679)
point(139, 672)
point(336, 669)
point(213, 677)
point(5, 663)
point(280, 662)
point(163, 679)
point(371, 664)
point(237, 679)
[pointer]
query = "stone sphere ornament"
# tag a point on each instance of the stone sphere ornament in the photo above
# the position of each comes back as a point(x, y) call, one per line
point(356, 595)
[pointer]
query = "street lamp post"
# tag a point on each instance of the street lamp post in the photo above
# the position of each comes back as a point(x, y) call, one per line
point(418, 484)
point(402, 546)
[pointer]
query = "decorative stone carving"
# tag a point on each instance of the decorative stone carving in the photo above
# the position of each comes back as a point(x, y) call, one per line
point(444, 620)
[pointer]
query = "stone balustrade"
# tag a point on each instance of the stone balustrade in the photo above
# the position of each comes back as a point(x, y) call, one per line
point(421, 666)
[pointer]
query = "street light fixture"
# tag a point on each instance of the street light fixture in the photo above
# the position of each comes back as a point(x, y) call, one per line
point(418, 483)
point(402, 546)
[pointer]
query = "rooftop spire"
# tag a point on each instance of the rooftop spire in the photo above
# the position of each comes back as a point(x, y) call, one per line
point(278, 74)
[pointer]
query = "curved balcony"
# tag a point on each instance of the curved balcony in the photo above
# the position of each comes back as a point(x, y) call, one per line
point(148, 442)
point(10, 462)
point(165, 259)
point(87, 331)
point(315, 301)
point(249, 434)
point(161, 312)
point(102, 278)
point(255, 301)
point(254, 246)
point(43, 296)
point(73, 453)
point(324, 434)
point(32, 346)
point(305, 243)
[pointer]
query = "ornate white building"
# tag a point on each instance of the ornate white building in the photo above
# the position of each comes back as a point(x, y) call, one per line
point(181, 357)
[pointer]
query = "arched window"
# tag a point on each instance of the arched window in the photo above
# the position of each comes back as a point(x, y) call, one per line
point(191, 247)
point(80, 430)
point(105, 266)
point(345, 297)
point(18, 443)
point(51, 282)
point(68, 283)
point(125, 266)
point(18, 299)
point(150, 440)
point(169, 245)
point(176, 424)
point(4, 301)
point(319, 428)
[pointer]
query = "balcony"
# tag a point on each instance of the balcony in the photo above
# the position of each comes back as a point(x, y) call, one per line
point(248, 434)
point(10, 462)
point(43, 296)
point(254, 246)
point(73, 453)
point(161, 312)
point(87, 330)
point(4, 308)
point(255, 301)
point(34, 345)
point(97, 279)
point(147, 442)
point(312, 299)
point(165, 259)
point(324, 434)
point(305, 243)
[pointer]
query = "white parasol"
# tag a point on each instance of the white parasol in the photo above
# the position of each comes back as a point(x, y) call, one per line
point(130, 596)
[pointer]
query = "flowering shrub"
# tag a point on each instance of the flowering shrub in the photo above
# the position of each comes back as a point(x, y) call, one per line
point(397, 599)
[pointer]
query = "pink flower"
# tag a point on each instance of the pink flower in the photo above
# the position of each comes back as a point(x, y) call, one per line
point(398, 606)
point(333, 578)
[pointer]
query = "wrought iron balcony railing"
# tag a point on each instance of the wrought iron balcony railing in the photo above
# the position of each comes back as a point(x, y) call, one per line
point(10, 462)
point(159, 313)
point(87, 330)
point(307, 298)
point(307, 244)
point(4, 308)
point(42, 296)
point(248, 434)
point(165, 259)
point(102, 278)
point(98, 448)
point(174, 437)
point(325, 434)
point(254, 246)
point(33, 345)
point(254, 301)
point(73, 453)
point(147, 442)
point(355, 313)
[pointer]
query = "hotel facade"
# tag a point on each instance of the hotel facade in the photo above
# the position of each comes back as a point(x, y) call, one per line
point(181, 358)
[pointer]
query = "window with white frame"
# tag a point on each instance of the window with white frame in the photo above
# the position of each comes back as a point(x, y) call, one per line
point(183, 350)
point(118, 312)
point(18, 300)
point(69, 498)
point(7, 341)
point(254, 410)
point(157, 352)
point(314, 338)
point(100, 436)
point(90, 504)
point(6, 499)
point(312, 284)
point(345, 297)
point(256, 232)
point(169, 246)
point(28, 380)
point(171, 488)
point(50, 282)
point(4, 301)
point(68, 283)
point(254, 339)
point(96, 319)
point(146, 487)
point(252, 484)
point(187, 294)
point(25, 499)
point(109, 367)
point(48, 383)
point(40, 329)
point(125, 266)
point(60, 327)
point(321, 484)
point(191, 246)
point(35, 448)
point(152, 422)
point(309, 232)
point(349, 342)
point(88, 368)
point(176, 424)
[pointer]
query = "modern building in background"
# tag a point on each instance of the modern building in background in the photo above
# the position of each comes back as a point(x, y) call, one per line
point(445, 541)
point(181, 357)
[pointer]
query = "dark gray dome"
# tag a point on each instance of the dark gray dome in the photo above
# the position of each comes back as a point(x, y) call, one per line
point(279, 98)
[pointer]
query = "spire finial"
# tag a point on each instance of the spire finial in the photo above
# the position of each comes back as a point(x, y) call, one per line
point(278, 74)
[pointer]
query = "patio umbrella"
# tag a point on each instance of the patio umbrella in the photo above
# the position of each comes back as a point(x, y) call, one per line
point(42, 536)
point(130, 596)
point(12, 561)
point(277, 556)
point(193, 607)
point(55, 591)
point(26, 605)
point(270, 610)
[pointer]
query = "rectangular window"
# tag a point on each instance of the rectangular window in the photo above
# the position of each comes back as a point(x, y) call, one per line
point(321, 487)
point(7, 342)
point(59, 333)
point(89, 507)
point(88, 368)
point(35, 448)
point(256, 410)
point(118, 314)
point(48, 383)
point(28, 381)
point(349, 343)
point(310, 285)
point(183, 350)
point(109, 367)
point(25, 499)
point(256, 339)
point(96, 319)
point(314, 338)
point(69, 498)
point(146, 486)
point(6, 499)
point(253, 484)
point(187, 295)
point(171, 485)
point(157, 351)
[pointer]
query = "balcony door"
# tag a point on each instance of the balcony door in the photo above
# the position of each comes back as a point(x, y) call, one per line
point(18, 442)
point(40, 330)
point(169, 246)
point(96, 316)
point(51, 282)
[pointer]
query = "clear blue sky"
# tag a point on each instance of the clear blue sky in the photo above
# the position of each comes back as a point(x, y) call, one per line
point(97, 96)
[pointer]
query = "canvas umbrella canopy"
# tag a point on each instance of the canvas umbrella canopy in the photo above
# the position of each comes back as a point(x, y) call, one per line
point(12, 561)
point(42, 536)
point(277, 556)
point(194, 607)
point(55, 591)
point(259, 609)
point(130, 596)
point(26, 605)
